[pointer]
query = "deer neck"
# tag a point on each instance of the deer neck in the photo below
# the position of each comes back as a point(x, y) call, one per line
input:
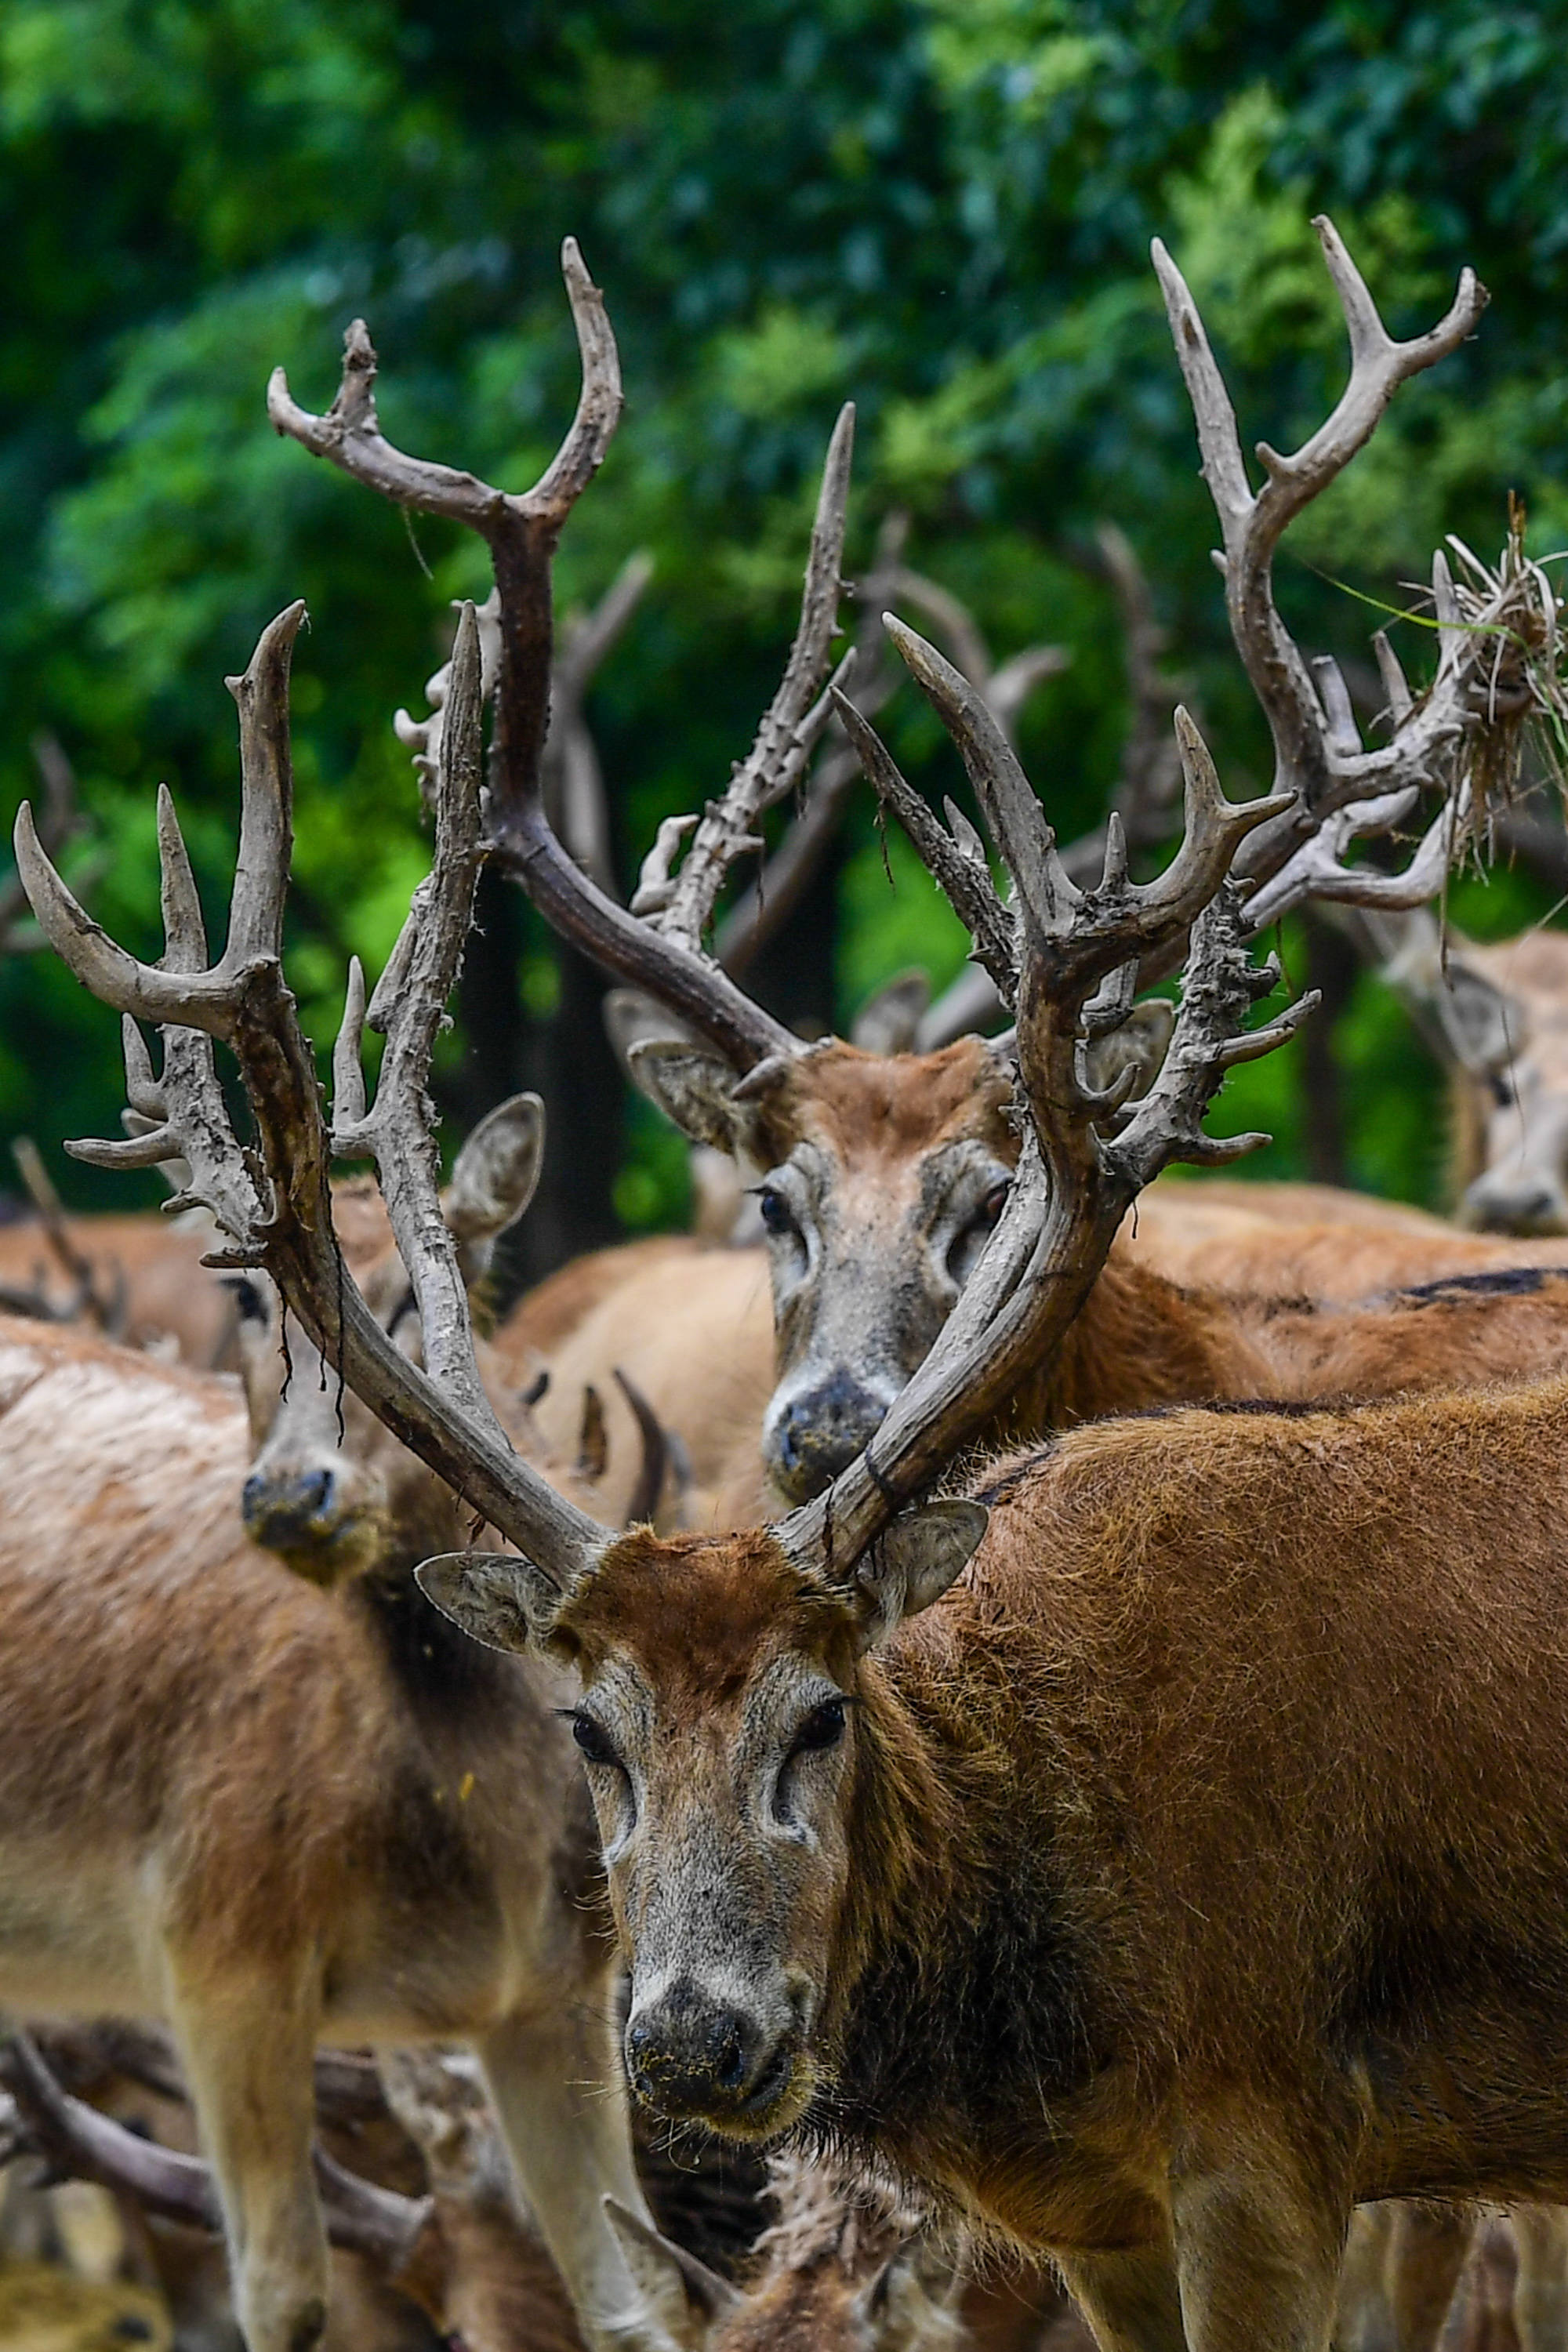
point(441, 1672)
point(957, 1978)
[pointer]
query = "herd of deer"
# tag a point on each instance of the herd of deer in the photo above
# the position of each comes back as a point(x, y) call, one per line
point(1056, 1719)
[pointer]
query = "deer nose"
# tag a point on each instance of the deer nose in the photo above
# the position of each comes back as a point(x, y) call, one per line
point(819, 1434)
point(279, 1511)
point(1520, 1205)
point(689, 2055)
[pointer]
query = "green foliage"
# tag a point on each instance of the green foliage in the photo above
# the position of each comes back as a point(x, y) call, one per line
point(939, 207)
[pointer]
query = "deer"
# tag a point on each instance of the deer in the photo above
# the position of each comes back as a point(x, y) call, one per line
point(138, 1278)
point(318, 1842)
point(1079, 1847)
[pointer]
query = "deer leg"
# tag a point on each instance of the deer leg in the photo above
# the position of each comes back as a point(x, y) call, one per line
point(1360, 2314)
point(560, 2099)
point(1130, 2299)
point(1541, 2291)
point(1257, 2254)
point(246, 2049)
point(1429, 2245)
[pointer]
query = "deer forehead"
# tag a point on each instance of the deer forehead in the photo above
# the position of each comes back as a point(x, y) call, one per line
point(860, 1107)
point(699, 1621)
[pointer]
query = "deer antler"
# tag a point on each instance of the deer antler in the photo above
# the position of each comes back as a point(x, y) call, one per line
point(522, 532)
point(274, 1203)
point(1066, 958)
point(1452, 735)
point(1146, 793)
point(61, 820)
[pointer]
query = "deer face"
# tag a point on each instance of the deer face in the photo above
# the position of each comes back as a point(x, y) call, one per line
point(723, 1729)
point(331, 1488)
point(881, 1180)
point(1507, 1011)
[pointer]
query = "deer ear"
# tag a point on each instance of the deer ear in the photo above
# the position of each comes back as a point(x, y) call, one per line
point(494, 1596)
point(695, 1087)
point(687, 2295)
point(1138, 1043)
point(1482, 1022)
point(914, 1563)
point(887, 1022)
point(496, 1172)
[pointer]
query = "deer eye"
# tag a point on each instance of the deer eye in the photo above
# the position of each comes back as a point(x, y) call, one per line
point(594, 1740)
point(1502, 1092)
point(249, 1303)
point(989, 1214)
point(823, 1727)
point(775, 1210)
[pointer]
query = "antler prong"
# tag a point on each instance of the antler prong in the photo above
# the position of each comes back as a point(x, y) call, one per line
point(348, 1070)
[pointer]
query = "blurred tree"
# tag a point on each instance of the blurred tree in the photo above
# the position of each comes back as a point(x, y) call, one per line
point(939, 207)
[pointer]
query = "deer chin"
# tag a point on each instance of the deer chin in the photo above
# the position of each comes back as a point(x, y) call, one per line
point(352, 1549)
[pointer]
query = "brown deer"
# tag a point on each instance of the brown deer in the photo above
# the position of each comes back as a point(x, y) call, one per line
point(1497, 1018)
point(351, 434)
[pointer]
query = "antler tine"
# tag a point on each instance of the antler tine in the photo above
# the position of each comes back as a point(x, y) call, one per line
point(350, 434)
point(967, 886)
point(422, 736)
point(267, 816)
point(1017, 822)
point(791, 724)
point(1004, 690)
point(1219, 989)
point(774, 892)
point(1317, 872)
point(599, 400)
point(397, 1133)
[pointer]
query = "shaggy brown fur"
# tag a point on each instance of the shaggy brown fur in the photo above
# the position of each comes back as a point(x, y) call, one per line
point(1178, 1910)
